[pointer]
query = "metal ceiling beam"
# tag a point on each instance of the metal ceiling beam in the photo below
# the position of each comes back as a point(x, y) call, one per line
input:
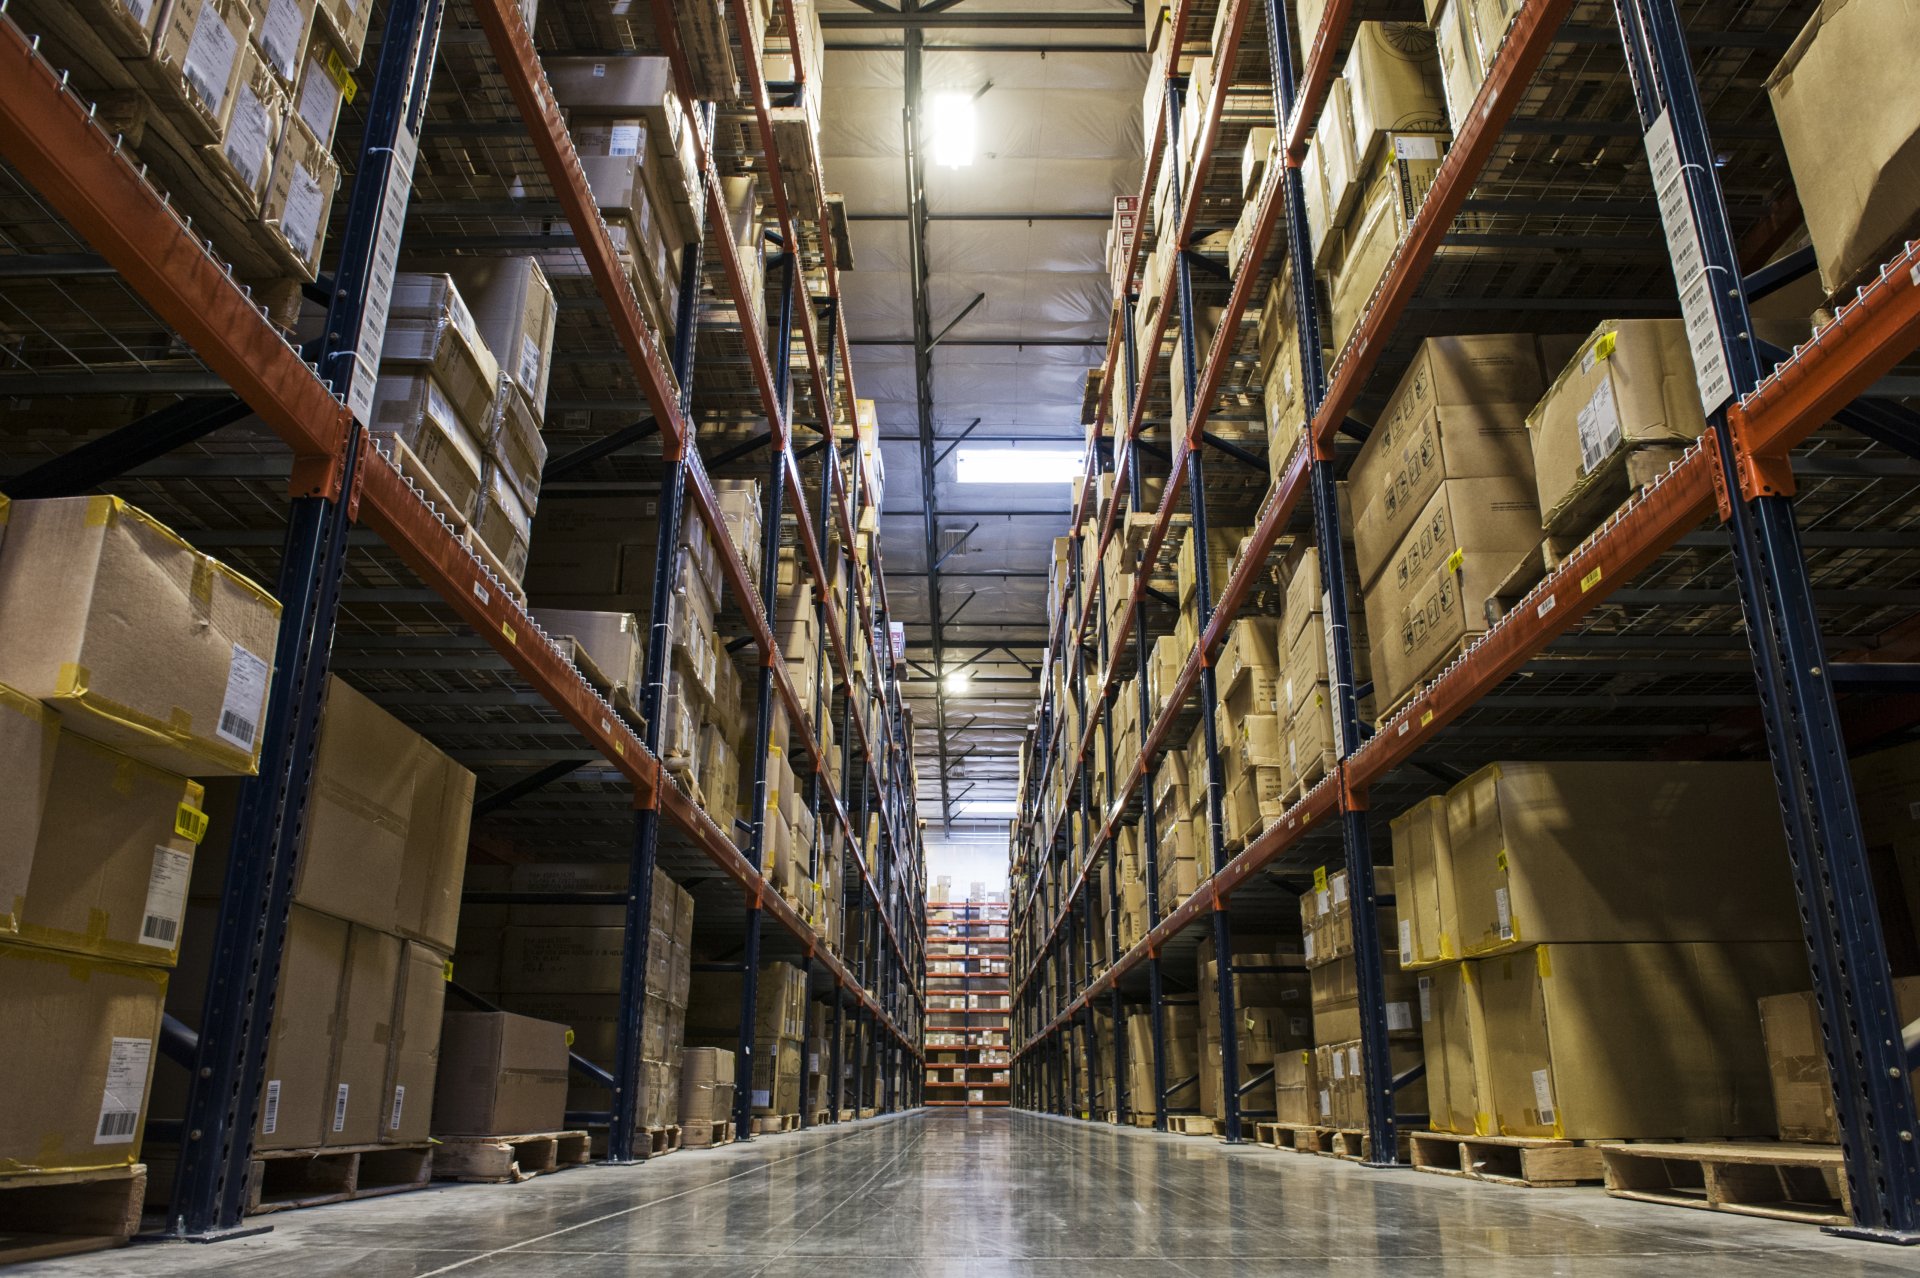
point(1131, 47)
point(1097, 215)
point(983, 341)
point(914, 20)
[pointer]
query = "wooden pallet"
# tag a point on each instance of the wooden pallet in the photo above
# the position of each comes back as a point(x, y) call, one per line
point(1298, 1138)
point(868, 1111)
point(1193, 1125)
point(1783, 1182)
point(283, 1179)
point(709, 1135)
point(1531, 1162)
point(820, 1118)
point(508, 1160)
point(662, 1140)
point(774, 1124)
point(847, 1116)
point(64, 1213)
point(1355, 1146)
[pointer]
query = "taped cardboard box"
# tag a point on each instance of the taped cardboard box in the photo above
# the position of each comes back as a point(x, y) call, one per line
point(1391, 192)
point(514, 312)
point(78, 1059)
point(1453, 1036)
point(1618, 852)
point(1630, 385)
point(430, 325)
point(280, 36)
point(502, 521)
point(356, 1100)
point(346, 22)
point(1423, 889)
point(413, 1056)
point(1797, 1061)
point(196, 64)
point(409, 405)
point(106, 873)
point(1841, 96)
point(325, 80)
point(1393, 81)
point(1295, 1088)
point(256, 115)
point(612, 641)
point(500, 1075)
point(186, 689)
point(1616, 1042)
point(514, 445)
point(1340, 1071)
point(299, 199)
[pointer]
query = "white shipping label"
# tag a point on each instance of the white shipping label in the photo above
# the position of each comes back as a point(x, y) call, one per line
point(462, 318)
point(166, 897)
point(1407, 147)
point(340, 1108)
point(1543, 1095)
point(270, 1112)
point(1503, 908)
point(762, 1099)
point(1399, 1016)
point(210, 55)
point(300, 220)
point(245, 699)
point(529, 363)
point(140, 9)
point(1353, 1060)
point(1307, 946)
point(246, 147)
point(128, 1064)
point(1406, 941)
point(1682, 228)
point(1323, 901)
point(1326, 1104)
point(280, 33)
point(399, 1104)
point(1339, 1065)
point(1426, 999)
point(1703, 339)
point(626, 139)
point(1599, 427)
point(319, 102)
point(1339, 888)
point(813, 1062)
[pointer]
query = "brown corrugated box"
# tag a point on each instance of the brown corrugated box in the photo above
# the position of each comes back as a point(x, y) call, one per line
point(77, 1060)
point(1423, 891)
point(1453, 1036)
point(355, 1098)
point(413, 1060)
point(500, 1075)
point(186, 688)
point(1797, 1061)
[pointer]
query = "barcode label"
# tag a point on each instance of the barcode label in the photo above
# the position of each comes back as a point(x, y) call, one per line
point(399, 1103)
point(1543, 1095)
point(340, 1109)
point(127, 1067)
point(166, 897)
point(246, 695)
point(270, 1115)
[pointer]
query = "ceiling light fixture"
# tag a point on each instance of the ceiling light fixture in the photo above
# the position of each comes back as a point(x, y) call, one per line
point(1019, 465)
point(957, 681)
point(951, 116)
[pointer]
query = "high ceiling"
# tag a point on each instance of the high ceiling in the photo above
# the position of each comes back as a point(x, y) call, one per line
point(1056, 87)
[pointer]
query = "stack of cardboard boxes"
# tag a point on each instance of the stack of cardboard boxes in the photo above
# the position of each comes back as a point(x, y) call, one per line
point(1306, 703)
point(1180, 1060)
point(1591, 940)
point(353, 1051)
point(779, 1030)
point(101, 724)
point(1339, 1095)
point(1271, 1007)
point(706, 1095)
point(500, 1075)
point(1247, 728)
point(454, 416)
point(562, 963)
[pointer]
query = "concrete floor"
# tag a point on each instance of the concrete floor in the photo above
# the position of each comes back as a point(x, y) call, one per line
point(942, 1194)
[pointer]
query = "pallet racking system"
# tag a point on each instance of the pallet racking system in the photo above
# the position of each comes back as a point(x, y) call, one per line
point(967, 959)
point(378, 585)
point(1657, 629)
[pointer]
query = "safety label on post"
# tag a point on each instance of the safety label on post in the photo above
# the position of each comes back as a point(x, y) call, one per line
point(1690, 272)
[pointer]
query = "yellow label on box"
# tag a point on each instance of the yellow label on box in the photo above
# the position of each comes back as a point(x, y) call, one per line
point(190, 823)
point(1320, 879)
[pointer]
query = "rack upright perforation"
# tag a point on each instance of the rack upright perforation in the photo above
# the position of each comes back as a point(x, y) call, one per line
point(1540, 218)
point(403, 607)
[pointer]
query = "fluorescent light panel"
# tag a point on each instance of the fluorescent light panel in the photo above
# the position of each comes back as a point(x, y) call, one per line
point(1019, 465)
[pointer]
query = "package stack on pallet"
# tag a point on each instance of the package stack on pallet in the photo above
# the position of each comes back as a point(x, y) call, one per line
point(780, 1037)
point(968, 1016)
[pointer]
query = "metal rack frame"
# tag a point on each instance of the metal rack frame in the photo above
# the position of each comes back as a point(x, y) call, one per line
point(51, 137)
point(969, 922)
point(1744, 468)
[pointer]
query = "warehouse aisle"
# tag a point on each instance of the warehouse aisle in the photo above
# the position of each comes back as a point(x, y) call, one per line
point(945, 1194)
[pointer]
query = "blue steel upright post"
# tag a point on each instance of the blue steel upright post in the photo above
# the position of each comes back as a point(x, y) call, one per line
point(1860, 1023)
point(224, 1091)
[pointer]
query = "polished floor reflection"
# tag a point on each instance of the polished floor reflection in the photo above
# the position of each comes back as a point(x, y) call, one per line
point(985, 1194)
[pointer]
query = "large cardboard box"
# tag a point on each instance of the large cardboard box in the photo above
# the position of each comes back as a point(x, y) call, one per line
point(413, 1058)
point(1295, 1088)
point(1459, 412)
point(1393, 82)
point(107, 871)
point(1618, 852)
point(358, 1103)
point(500, 1075)
point(196, 63)
point(1797, 1061)
point(1631, 384)
point(706, 1088)
point(1593, 1042)
point(1430, 596)
point(1423, 890)
point(1391, 192)
point(514, 311)
point(29, 736)
point(1842, 98)
point(410, 406)
point(1453, 1036)
point(299, 199)
point(77, 1058)
point(184, 689)
point(1340, 1069)
point(431, 325)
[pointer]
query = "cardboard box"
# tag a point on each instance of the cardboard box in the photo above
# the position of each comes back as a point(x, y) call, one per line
point(357, 1101)
point(1615, 1042)
point(323, 77)
point(186, 689)
point(1797, 1061)
point(296, 1104)
point(1631, 384)
point(1852, 133)
point(413, 1056)
point(346, 22)
point(613, 641)
point(430, 325)
point(1393, 84)
point(78, 1058)
point(514, 311)
point(107, 872)
point(1340, 1071)
point(1453, 1036)
point(500, 1075)
point(1423, 890)
point(196, 63)
point(1618, 852)
point(255, 117)
point(29, 736)
point(1390, 194)
point(1429, 596)
point(1295, 1088)
point(408, 405)
point(299, 199)
point(1459, 412)
point(281, 36)
point(706, 1088)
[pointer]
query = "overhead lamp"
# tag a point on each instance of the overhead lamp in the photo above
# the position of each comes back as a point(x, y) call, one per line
point(957, 681)
point(1019, 465)
point(951, 118)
